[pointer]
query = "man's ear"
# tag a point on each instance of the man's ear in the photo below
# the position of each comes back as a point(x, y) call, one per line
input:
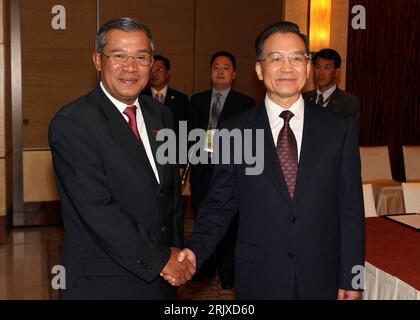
point(308, 69)
point(258, 70)
point(337, 73)
point(97, 61)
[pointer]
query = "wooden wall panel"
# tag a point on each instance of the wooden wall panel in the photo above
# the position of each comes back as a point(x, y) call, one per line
point(39, 184)
point(182, 71)
point(3, 123)
point(6, 126)
point(36, 27)
point(297, 11)
point(6, 183)
point(338, 40)
point(233, 26)
point(171, 22)
point(57, 65)
point(51, 79)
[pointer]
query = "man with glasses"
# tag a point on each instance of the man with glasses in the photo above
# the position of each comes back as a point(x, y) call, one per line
point(301, 222)
point(327, 94)
point(121, 208)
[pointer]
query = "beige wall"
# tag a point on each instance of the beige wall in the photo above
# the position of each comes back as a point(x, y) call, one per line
point(298, 11)
point(39, 184)
point(338, 41)
point(56, 64)
point(6, 177)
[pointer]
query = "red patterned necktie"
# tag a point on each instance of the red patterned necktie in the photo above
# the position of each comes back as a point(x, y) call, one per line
point(130, 112)
point(287, 152)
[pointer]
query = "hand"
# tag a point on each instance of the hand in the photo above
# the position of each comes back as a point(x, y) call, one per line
point(187, 253)
point(348, 295)
point(191, 260)
point(177, 273)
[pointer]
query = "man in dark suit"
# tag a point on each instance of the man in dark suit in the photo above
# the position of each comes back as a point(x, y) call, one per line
point(121, 209)
point(301, 222)
point(159, 89)
point(207, 110)
point(327, 70)
point(175, 100)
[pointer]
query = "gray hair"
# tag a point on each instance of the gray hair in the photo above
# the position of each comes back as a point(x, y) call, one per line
point(126, 24)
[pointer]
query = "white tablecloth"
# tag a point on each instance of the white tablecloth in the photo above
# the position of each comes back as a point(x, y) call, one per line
point(380, 285)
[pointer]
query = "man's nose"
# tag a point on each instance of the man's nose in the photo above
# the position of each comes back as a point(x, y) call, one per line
point(130, 65)
point(286, 66)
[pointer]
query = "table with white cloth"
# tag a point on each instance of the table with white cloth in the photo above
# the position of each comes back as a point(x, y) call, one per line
point(392, 261)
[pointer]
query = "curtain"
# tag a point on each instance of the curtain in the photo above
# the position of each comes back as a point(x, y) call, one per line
point(383, 70)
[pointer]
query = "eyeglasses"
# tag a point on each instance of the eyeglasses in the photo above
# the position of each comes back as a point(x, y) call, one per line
point(158, 69)
point(295, 58)
point(121, 59)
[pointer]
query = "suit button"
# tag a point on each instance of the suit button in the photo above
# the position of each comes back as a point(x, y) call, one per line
point(293, 220)
point(139, 261)
point(291, 255)
point(163, 229)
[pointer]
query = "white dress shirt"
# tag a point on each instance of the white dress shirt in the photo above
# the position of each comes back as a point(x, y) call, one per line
point(325, 95)
point(276, 122)
point(141, 127)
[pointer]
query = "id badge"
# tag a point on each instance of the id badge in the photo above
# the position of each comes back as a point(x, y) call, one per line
point(209, 140)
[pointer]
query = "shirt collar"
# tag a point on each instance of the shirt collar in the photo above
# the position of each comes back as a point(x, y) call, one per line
point(120, 105)
point(274, 110)
point(327, 93)
point(163, 91)
point(223, 93)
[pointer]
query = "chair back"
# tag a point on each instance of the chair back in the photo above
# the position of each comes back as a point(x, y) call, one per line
point(375, 164)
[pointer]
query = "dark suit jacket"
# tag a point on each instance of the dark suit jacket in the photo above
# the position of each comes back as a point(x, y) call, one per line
point(235, 104)
point(118, 221)
point(177, 103)
point(316, 239)
point(341, 102)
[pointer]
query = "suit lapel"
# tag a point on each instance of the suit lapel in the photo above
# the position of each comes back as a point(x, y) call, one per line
point(153, 125)
point(227, 107)
point(122, 134)
point(206, 108)
point(313, 140)
point(170, 100)
point(272, 166)
point(335, 101)
point(312, 96)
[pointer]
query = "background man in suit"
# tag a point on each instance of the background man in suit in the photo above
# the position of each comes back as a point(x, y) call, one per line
point(327, 70)
point(159, 89)
point(121, 209)
point(301, 222)
point(208, 110)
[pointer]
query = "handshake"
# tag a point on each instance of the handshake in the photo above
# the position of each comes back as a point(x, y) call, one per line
point(180, 268)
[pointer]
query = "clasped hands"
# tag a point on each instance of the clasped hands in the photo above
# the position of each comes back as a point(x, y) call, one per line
point(180, 268)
